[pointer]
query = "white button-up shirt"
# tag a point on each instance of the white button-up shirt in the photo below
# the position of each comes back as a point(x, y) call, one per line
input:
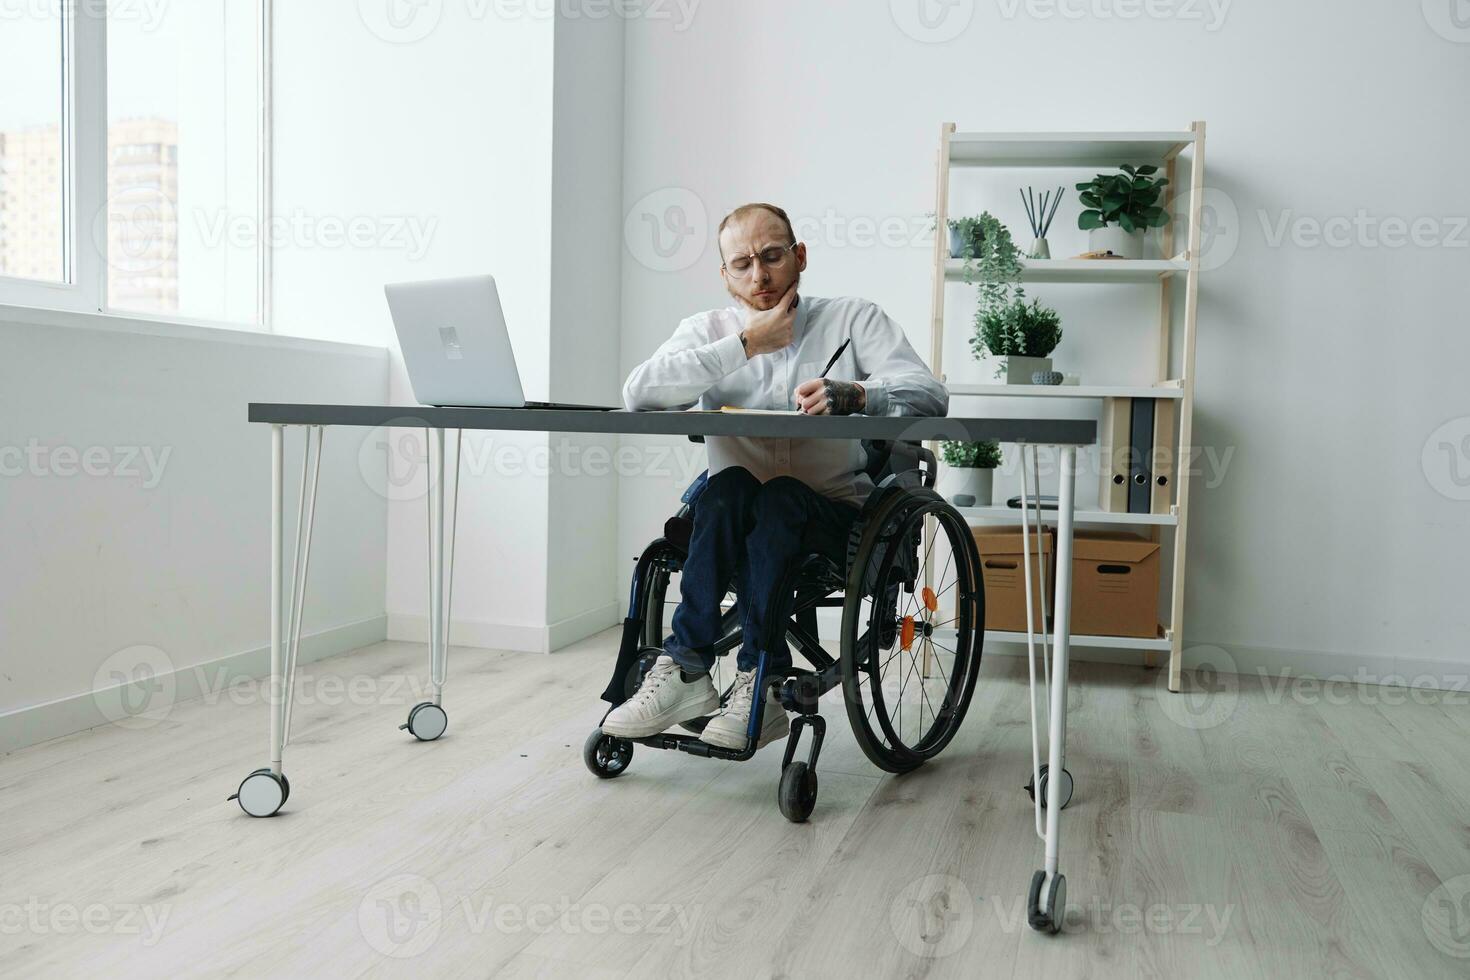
point(704, 364)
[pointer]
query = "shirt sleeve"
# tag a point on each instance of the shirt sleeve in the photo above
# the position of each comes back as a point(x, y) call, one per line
point(896, 380)
point(686, 366)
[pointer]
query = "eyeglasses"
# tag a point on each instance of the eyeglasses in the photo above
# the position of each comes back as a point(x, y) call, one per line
point(740, 266)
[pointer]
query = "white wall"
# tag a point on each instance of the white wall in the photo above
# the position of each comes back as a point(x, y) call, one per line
point(436, 139)
point(1325, 370)
point(135, 512)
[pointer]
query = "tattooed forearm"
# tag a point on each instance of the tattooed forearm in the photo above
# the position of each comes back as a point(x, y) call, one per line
point(843, 397)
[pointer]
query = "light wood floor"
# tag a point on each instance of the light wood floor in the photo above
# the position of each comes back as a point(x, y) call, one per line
point(1243, 833)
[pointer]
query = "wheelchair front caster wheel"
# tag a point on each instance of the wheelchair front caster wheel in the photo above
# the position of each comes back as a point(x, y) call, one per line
point(426, 722)
point(1064, 787)
point(263, 793)
point(1045, 912)
point(798, 793)
point(607, 756)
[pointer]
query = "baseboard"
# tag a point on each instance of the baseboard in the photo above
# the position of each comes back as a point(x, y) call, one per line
point(1276, 663)
point(76, 713)
point(486, 635)
point(568, 631)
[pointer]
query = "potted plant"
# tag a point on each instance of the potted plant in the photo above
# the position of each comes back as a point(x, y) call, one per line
point(1119, 207)
point(1022, 334)
point(965, 236)
point(973, 465)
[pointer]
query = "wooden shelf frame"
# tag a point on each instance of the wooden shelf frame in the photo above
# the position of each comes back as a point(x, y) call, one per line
point(959, 150)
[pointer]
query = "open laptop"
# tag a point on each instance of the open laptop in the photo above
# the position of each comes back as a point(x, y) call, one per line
point(456, 346)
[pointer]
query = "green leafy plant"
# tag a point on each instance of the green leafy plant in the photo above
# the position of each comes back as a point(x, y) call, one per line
point(1129, 199)
point(970, 233)
point(983, 455)
point(995, 264)
point(1025, 329)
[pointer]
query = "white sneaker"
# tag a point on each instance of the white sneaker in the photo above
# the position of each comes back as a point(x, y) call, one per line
point(728, 730)
point(662, 700)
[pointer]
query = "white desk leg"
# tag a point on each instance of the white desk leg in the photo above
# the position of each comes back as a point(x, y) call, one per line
point(265, 790)
point(428, 720)
point(1054, 883)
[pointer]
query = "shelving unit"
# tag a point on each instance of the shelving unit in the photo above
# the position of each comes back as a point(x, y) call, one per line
point(959, 150)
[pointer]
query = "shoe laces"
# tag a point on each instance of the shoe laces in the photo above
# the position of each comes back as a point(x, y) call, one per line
point(657, 676)
point(742, 695)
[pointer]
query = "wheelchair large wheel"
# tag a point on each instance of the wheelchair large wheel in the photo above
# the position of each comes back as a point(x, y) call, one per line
point(912, 627)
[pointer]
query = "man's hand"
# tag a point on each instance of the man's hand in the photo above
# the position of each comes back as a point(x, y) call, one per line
point(770, 330)
point(823, 396)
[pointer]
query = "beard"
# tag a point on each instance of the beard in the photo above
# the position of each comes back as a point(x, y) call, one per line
point(741, 299)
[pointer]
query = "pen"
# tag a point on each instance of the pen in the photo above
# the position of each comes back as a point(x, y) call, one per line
point(835, 357)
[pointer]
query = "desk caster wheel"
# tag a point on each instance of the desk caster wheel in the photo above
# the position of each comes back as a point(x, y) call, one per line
point(263, 793)
point(1046, 912)
point(426, 722)
point(797, 796)
point(607, 756)
point(1064, 786)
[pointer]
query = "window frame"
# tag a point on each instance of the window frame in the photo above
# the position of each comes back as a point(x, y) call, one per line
point(83, 287)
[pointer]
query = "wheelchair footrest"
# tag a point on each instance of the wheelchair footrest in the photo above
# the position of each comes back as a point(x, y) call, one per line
point(692, 745)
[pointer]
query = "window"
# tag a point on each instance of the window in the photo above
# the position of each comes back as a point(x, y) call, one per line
point(131, 157)
point(32, 149)
point(183, 223)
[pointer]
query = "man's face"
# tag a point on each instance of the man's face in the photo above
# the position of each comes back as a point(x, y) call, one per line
point(761, 285)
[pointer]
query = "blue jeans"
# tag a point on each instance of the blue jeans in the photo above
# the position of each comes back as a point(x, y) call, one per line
point(750, 532)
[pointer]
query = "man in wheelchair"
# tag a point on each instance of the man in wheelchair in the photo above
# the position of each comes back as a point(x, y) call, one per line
point(767, 502)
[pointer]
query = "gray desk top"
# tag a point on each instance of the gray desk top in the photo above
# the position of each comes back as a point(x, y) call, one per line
point(1055, 432)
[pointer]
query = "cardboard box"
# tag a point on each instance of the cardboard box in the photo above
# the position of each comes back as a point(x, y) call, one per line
point(1001, 565)
point(1115, 584)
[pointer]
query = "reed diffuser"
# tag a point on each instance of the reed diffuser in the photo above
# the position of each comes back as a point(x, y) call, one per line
point(1040, 212)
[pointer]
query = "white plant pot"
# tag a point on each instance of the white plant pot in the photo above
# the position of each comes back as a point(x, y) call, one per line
point(970, 482)
point(1112, 238)
point(1019, 369)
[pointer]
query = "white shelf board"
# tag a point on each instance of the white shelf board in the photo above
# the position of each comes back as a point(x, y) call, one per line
point(1003, 513)
point(1065, 391)
point(1081, 640)
point(1085, 270)
point(1064, 149)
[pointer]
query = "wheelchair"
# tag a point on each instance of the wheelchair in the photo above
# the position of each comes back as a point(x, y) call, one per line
point(913, 616)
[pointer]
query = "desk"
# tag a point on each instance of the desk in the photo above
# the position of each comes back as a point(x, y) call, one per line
point(265, 790)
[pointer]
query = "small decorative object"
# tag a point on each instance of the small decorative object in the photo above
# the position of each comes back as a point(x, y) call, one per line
point(965, 237)
point(1022, 334)
point(1119, 208)
point(1071, 379)
point(1046, 378)
point(972, 468)
point(1040, 214)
